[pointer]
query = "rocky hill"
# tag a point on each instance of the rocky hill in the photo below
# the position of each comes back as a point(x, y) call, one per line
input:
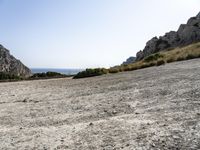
point(187, 34)
point(9, 64)
point(129, 61)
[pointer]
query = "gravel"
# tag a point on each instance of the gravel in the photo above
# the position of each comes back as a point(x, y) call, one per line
point(153, 108)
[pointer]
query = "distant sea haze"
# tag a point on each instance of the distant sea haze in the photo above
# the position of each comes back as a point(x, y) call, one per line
point(62, 71)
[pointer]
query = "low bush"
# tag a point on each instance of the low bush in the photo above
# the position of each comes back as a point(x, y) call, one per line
point(113, 70)
point(160, 62)
point(47, 75)
point(181, 58)
point(128, 68)
point(192, 56)
point(153, 57)
point(152, 64)
point(7, 76)
point(146, 65)
point(197, 45)
point(91, 73)
point(53, 74)
point(170, 60)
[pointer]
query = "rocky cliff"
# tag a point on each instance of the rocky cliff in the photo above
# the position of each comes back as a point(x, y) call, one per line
point(9, 64)
point(187, 34)
point(129, 61)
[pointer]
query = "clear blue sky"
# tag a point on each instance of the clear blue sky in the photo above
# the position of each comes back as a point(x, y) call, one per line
point(86, 33)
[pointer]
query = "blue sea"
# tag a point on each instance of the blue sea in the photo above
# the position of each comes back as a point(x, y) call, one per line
point(62, 71)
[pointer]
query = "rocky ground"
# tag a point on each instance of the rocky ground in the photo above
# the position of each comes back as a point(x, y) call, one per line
point(154, 108)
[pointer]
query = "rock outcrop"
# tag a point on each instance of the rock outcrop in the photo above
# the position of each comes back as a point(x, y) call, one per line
point(129, 61)
point(9, 64)
point(187, 34)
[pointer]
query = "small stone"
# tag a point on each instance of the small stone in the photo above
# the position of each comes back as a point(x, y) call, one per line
point(25, 100)
point(91, 124)
point(153, 145)
point(114, 112)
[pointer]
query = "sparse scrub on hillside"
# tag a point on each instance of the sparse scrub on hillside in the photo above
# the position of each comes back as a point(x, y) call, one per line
point(177, 54)
point(146, 65)
point(153, 57)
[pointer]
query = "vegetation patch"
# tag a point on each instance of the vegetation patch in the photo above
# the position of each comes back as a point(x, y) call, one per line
point(160, 62)
point(47, 75)
point(153, 57)
point(115, 70)
point(9, 77)
point(177, 54)
point(91, 73)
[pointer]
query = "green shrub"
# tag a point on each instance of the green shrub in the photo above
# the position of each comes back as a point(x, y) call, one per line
point(113, 70)
point(7, 76)
point(197, 46)
point(121, 69)
point(191, 56)
point(91, 73)
point(47, 75)
point(153, 57)
point(170, 60)
point(160, 62)
point(146, 65)
point(53, 74)
point(128, 68)
point(180, 58)
point(152, 64)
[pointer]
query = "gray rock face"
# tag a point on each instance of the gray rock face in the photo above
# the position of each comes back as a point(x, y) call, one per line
point(198, 16)
point(186, 34)
point(129, 61)
point(11, 65)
